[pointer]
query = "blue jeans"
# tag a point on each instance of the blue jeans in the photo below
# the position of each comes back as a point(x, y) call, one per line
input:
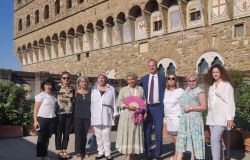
point(216, 136)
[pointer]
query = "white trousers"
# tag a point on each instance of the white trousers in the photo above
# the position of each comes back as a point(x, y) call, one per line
point(103, 139)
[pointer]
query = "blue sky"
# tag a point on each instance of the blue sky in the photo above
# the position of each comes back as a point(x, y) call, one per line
point(8, 59)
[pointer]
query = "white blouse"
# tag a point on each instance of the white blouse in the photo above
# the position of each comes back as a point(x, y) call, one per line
point(103, 107)
point(172, 102)
point(221, 106)
point(47, 108)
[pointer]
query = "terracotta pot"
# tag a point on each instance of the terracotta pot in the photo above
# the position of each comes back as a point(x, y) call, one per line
point(246, 140)
point(9, 131)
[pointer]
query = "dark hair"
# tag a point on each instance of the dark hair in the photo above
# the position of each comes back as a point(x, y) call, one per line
point(48, 82)
point(223, 74)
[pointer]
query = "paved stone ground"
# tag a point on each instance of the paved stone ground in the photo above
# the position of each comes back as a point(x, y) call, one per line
point(25, 149)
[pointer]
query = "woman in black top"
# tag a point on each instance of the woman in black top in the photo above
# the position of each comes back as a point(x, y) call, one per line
point(65, 96)
point(82, 116)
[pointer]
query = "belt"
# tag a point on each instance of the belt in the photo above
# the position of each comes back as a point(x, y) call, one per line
point(154, 104)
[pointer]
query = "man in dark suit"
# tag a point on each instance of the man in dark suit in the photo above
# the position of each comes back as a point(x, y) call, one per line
point(154, 85)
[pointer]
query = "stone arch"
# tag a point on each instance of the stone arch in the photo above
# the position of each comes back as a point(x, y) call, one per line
point(55, 46)
point(169, 3)
point(35, 52)
point(37, 16)
point(24, 48)
point(79, 38)
point(28, 21)
point(166, 66)
point(99, 25)
point(62, 45)
point(63, 35)
point(19, 55)
point(110, 21)
point(80, 30)
point(29, 53)
point(111, 74)
point(71, 32)
point(47, 54)
point(24, 55)
point(41, 49)
point(48, 40)
point(46, 12)
point(55, 38)
point(209, 57)
point(121, 17)
point(35, 45)
point(151, 6)
point(70, 43)
point(135, 12)
point(29, 46)
point(20, 24)
point(90, 27)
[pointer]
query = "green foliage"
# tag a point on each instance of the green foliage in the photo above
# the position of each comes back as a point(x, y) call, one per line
point(15, 109)
point(242, 99)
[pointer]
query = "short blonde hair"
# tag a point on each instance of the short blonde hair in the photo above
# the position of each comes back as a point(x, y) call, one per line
point(192, 75)
point(131, 74)
point(81, 78)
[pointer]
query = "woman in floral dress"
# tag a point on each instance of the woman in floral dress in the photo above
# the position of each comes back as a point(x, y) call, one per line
point(191, 130)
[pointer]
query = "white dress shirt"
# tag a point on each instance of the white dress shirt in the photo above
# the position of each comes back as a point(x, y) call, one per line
point(221, 106)
point(47, 108)
point(156, 89)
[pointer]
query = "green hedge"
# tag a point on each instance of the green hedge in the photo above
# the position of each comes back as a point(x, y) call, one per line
point(15, 109)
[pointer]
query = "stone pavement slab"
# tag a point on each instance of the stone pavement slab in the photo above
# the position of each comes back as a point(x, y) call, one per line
point(24, 148)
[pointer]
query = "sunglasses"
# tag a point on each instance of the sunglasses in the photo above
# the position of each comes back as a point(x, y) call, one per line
point(192, 81)
point(65, 77)
point(169, 78)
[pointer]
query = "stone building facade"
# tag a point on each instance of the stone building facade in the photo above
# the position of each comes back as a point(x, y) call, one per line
point(115, 36)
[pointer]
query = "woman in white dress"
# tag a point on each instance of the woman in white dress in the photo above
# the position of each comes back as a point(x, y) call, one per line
point(172, 106)
point(103, 112)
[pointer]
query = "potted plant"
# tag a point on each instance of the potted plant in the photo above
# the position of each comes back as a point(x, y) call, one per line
point(242, 101)
point(14, 114)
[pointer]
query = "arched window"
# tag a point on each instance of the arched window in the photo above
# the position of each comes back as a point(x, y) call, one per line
point(216, 61)
point(171, 68)
point(19, 1)
point(80, 1)
point(20, 25)
point(69, 4)
point(46, 12)
point(166, 66)
point(36, 17)
point(203, 67)
point(57, 7)
point(161, 70)
point(28, 21)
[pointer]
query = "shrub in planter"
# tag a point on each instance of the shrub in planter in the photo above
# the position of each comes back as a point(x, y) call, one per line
point(15, 109)
point(242, 101)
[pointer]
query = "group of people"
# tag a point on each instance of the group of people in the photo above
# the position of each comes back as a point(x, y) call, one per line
point(165, 104)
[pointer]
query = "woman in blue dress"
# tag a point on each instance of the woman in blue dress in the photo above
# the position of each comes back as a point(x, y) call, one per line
point(191, 130)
